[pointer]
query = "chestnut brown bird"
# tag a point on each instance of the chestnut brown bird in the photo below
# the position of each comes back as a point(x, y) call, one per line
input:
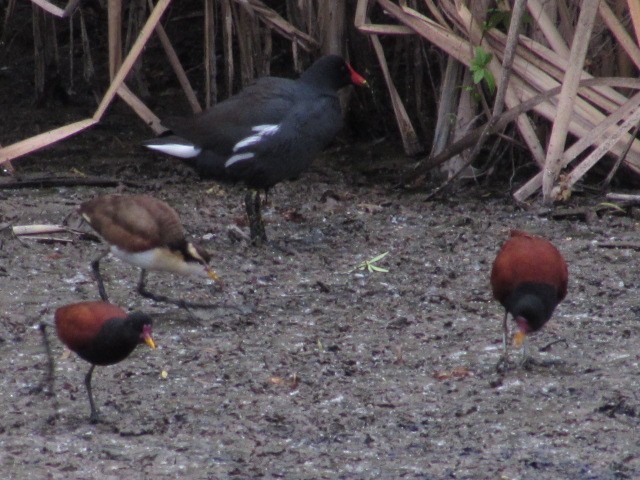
point(101, 334)
point(146, 232)
point(529, 278)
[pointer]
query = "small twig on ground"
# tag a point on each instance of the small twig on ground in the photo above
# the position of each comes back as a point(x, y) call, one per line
point(624, 197)
point(46, 182)
point(621, 157)
point(631, 245)
point(548, 346)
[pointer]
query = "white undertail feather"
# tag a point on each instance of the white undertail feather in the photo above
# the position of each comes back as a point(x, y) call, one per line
point(176, 149)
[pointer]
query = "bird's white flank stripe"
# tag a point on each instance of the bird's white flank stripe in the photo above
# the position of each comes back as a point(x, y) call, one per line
point(238, 157)
point(261, 132)
point(176, 149)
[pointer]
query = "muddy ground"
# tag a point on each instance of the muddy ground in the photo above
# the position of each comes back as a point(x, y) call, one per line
point(312, 368)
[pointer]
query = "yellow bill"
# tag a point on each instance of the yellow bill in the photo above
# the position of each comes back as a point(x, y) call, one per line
point(149, 341)
point(212, 275)
point(518, 339)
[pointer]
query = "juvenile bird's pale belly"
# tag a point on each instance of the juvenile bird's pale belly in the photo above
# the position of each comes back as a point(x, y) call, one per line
point(158, 259)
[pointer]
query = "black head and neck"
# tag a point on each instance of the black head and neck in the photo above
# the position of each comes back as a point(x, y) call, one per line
point(333, 73)
point(142, 325)
point(532, 305)
point(117, 338)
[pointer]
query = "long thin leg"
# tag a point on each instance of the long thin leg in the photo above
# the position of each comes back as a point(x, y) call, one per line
point(95, 416)
point(95, 268)
point(505, 334)
point(50, 365)
point(254, 215)
point(503, 363)
point(156, 297)
point(525, 358)
point(46, 384)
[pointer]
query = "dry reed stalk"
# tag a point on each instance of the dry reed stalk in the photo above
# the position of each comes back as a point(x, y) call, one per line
point(548, 28)
point(462, 50)
point(39, 141)
point(593, 138)
point(503, 83)
point(55, 10)
point(634, 9)
point(247, 49)
point(71, 54)
point(623, 197)
point(42, 140)
point(449, 92)
point(444, 37)
point(172, 56)
point(332, 19)
point(260, 60)
point(227, 44)
point(567, 97)
point(8, 13)
point(88, 71)
point(131, 57)
point(265, 67)
point(41, 229)
point(433, 9)
point(535, 68)
point(466, 116)
point(52, 43)
point(38, 50)
point(616, 166)
point(408, 135)
point(137, 14)
point(531, 54)
point(600, 151)
point(620, 33)
point(455, 44)
point(579, 126)
point(141, 109)
point(210, 66)
point(114, 13)
point(273, 20)
point(509, 116)
point(585, 115)
point(523, 122)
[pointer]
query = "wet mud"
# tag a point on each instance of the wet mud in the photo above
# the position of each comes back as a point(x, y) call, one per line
point(315, 366)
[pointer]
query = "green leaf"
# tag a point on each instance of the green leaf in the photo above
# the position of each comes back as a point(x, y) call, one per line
point(373, 268)
point(379, 257)
point(497, 18)
point(482, 57)
point(491, 81)
point(479, 69)
point(370, 266)
point(614, 206)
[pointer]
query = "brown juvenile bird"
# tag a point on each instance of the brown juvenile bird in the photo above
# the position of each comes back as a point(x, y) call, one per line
point(101, 334)
point(529, 278)
point(147, 233)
